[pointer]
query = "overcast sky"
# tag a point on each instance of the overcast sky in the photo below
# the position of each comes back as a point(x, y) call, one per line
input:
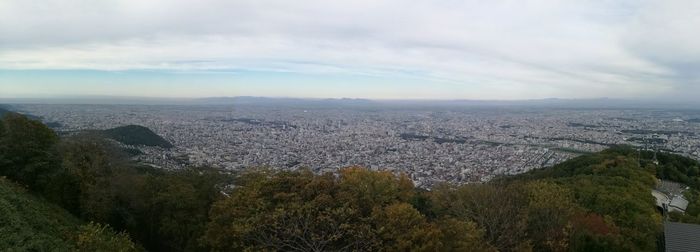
point(389, 49)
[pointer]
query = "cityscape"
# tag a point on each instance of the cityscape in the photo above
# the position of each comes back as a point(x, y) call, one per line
point(345, 125)
point(429, 144)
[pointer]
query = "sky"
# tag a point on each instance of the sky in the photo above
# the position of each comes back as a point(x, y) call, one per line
point(377, 49)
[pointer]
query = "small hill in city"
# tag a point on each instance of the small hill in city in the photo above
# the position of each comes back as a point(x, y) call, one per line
point(136, 135)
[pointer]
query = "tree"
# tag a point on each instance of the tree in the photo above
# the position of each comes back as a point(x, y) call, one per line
point(593, 232)
point(97, 237)
point(626, 202)
point(403, 228)
point(295, 211)
point(550, 209)
point(500, 209)
point(171, 210)
point(2, 128)
point(92, 162)
point(364, 189)
point(299, 211)
point(26, 150)
point(458, 235)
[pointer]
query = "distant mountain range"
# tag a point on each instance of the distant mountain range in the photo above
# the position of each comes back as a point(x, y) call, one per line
point(352, 102)
point(534, 103)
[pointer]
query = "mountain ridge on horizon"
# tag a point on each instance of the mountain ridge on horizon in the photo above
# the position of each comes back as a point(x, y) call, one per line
point(602, 102)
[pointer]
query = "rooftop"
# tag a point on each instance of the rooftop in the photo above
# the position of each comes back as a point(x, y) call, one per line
point(681, 237)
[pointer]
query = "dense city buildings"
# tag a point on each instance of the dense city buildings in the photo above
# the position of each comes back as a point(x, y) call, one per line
point(429, 144)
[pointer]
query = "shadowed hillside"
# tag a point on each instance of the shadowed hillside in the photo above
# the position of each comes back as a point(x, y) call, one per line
point(28, 223)
point(3, 110)
point(136, 135)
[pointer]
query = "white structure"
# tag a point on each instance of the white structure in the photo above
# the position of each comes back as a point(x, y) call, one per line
point(669, 196)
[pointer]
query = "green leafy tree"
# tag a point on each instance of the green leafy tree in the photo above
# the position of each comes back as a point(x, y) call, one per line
point(171, 209)
point(363, 189)
point(403, 228)
point(2, 130)
point(550, 209)
point(92, 162)
point(26, 150)
point(459, 235)
point(97, 237)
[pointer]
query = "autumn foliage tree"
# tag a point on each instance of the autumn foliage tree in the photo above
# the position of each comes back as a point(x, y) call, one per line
point(356, 210)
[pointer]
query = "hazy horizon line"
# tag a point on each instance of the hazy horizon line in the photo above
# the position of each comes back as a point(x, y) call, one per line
point(311, 98)
point(601, 102)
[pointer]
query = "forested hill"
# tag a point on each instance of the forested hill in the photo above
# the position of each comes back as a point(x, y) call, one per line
point(4, 109)
point(627, 161)
point(136, 135)
point(596, 202)
point(29, 223)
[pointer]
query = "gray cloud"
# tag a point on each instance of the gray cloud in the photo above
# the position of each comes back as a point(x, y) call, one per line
point(496, 49)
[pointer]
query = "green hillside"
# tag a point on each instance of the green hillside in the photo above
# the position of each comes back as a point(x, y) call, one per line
point(136, 135)
point(5, 109)
point(28, 223)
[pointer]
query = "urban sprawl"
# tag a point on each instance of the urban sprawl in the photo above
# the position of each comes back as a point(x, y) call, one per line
point(458, 145)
